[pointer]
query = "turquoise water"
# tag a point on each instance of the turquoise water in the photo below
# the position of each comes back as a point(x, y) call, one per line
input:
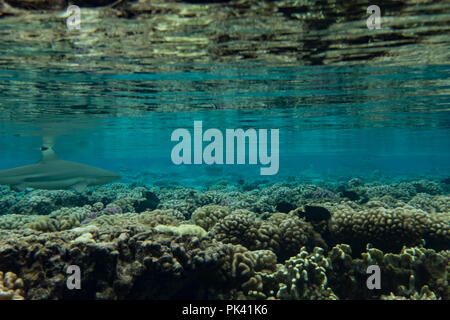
point(334, 122)
point(363, 163)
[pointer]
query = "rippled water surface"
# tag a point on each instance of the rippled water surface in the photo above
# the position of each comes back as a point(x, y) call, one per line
point(332, 120)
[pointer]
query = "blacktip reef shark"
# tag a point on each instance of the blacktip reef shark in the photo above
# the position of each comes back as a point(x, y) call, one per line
point(53, 173)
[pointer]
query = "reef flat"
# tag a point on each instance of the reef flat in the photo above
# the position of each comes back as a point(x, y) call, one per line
point(287, 240)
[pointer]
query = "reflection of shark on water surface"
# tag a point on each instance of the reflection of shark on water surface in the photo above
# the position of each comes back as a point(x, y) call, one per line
point(52, 173)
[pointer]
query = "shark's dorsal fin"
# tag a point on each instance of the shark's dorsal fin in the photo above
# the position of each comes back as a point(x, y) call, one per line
point(48, 154)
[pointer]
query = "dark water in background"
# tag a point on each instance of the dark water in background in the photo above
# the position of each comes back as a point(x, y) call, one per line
point(334, 122)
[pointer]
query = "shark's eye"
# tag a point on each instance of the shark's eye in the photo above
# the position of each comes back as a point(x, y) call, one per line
point(44, 148)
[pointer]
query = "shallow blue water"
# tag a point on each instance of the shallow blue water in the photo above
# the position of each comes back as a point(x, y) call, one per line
point(334, 122)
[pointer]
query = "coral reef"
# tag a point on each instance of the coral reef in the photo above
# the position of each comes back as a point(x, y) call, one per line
point(207, 216)
point(404, 274)
point(283, 234)
point(126, 263)
point(134, 242)
point(183, 229)
point(11, 287)
point(389, 228)
point(304, 277)
point(238, 229)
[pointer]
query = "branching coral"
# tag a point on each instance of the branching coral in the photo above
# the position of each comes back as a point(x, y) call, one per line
point(304, 277)
point(389, 228)
point(403, 274)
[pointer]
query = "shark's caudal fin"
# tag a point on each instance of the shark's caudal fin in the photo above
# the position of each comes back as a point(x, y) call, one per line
point(48, 154)
point(47, 149)
point(48, 141)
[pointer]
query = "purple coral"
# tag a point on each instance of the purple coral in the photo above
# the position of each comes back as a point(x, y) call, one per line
point(320, 193)
point(92, 215)
point(111, 210)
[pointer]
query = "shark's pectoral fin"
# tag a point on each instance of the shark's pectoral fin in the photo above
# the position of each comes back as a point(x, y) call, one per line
point(79, 187)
